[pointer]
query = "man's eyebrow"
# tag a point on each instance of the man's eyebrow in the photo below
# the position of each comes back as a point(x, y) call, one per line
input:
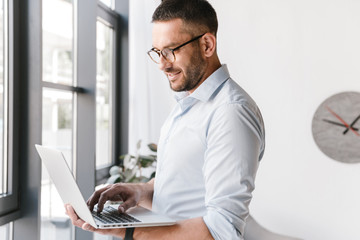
point(170, 45)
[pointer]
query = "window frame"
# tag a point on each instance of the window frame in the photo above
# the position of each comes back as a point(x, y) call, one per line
point(9, 202)
point(107, 16)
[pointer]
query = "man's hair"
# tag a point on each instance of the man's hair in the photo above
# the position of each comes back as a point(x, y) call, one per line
point(196, 14)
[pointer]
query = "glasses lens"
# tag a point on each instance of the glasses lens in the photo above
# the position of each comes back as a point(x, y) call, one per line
point(168, 55)
point(154, 56)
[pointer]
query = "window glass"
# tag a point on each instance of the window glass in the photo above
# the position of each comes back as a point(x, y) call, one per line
point(4, 232)
point(57, 121)
point(104, 59)
point(56, 133)
point(108, 3)
point(58, 40)
point(2, 46)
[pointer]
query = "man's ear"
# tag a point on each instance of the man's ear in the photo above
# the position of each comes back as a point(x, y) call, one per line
point(209, 44)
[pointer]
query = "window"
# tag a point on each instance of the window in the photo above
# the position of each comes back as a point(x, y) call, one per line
point(3, 168)
point(68, 105)
point(53, 49)
point(57, 108)
point(5, 231)
point(9, 201)
point(107, 90)
point(104, 95)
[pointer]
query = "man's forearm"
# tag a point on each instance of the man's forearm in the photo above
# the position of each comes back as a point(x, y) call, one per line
point(148, 192)
point(187, 229)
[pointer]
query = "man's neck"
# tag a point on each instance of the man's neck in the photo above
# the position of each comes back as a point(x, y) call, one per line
point(213, 65)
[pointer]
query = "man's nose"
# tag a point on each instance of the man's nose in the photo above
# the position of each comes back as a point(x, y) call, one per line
point(163, 63)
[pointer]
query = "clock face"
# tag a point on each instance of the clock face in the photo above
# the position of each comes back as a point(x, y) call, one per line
point(336, 127)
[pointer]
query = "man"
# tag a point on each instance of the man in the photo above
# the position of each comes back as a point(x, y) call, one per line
point(210, 145)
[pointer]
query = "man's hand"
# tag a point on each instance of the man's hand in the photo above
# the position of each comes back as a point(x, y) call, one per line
point(131, 195)
point(187, 229)
point(138, 194)
point(78, 222)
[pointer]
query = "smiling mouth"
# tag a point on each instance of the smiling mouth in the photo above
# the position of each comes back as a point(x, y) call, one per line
point(172, 75)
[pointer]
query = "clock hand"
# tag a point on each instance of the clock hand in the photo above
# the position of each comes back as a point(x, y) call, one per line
point(352, 124)
point(338, 124)
point(341, 120)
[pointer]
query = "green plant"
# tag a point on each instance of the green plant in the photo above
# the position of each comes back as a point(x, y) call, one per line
point(132, 167)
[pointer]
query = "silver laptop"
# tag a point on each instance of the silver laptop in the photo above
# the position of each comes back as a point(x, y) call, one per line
point(64, 182)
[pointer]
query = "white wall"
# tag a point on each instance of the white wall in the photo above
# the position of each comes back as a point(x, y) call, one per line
point(290, 56)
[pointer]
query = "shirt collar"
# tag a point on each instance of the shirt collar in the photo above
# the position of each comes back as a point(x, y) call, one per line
point(205, 90)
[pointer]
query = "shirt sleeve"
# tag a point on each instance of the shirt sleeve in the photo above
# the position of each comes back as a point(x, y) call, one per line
point(235, 144)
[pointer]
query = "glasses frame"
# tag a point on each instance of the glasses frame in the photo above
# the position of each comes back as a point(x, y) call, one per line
point(172, 50)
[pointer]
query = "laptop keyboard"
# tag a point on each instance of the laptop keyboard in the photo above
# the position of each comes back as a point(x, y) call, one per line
point(111, 215)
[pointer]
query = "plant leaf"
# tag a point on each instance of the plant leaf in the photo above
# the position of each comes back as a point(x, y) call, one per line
point(153, 147)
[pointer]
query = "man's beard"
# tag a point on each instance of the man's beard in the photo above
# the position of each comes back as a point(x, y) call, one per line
point(194, 73)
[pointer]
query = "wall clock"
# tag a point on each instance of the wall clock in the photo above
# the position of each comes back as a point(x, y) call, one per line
point(336, 127)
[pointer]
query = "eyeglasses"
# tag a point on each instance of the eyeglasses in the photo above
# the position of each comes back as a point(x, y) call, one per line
point(168, 53)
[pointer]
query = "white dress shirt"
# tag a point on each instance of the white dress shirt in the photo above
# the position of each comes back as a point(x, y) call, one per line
point(208, 154)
